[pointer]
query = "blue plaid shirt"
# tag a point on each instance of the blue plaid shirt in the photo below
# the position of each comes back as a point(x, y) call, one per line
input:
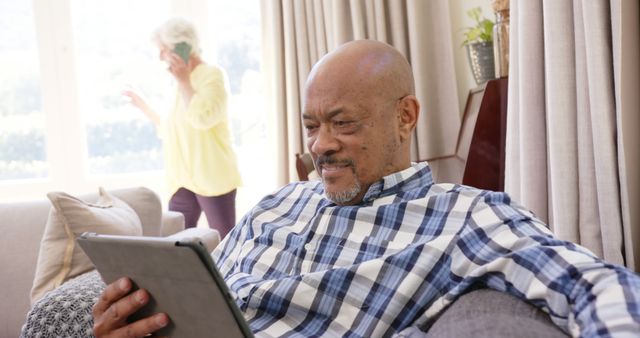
point(300, 265)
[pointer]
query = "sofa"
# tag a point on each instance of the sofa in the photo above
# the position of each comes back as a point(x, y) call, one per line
point(23, 224)
point(479, 313)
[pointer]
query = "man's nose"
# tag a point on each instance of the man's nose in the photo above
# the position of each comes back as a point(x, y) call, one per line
point(325, 142)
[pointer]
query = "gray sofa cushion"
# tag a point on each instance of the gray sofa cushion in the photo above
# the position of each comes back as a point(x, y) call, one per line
point(493, 314)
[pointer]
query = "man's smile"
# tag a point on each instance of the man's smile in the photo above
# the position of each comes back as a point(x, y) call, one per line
point(334, 170)
point(334, 166)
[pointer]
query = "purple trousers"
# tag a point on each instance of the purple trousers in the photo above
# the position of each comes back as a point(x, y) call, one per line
point(219, 210)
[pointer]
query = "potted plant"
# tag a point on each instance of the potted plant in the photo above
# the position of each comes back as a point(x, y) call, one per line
point(479, 43)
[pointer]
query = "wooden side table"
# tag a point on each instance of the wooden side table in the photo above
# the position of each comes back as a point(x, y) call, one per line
point(485, 156)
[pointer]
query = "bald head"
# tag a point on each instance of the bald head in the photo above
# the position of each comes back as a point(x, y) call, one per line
point(371, 66)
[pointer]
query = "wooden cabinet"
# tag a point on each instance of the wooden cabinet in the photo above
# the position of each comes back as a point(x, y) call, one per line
point(485, 114)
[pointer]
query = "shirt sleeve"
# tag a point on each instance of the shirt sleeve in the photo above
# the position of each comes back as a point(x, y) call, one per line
point(227, 252)
point(208, 105)
point(506, 248)
point(227, 258)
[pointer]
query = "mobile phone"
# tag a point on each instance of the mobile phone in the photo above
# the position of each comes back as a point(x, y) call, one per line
point(183, 50)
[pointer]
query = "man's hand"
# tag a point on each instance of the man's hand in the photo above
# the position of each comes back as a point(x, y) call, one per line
point(116, 304)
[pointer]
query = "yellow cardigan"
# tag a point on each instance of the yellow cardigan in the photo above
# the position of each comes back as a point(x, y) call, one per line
point(197, 147)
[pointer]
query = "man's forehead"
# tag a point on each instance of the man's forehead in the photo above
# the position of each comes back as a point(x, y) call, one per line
point(319, 98)
point(321, 114)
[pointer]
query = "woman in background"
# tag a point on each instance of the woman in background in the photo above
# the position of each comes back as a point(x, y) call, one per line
point(200, 164)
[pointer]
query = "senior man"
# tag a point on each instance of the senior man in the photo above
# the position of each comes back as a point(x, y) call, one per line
point(376, 247)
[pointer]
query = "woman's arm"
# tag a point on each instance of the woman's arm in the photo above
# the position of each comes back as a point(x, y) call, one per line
point(141, 104)
point(204, 96)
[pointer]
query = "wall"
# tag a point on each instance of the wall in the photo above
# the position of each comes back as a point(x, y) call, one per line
point(459, 20)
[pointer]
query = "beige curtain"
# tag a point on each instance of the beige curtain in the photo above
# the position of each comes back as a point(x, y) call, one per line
point(298, 33)
point(573, 121)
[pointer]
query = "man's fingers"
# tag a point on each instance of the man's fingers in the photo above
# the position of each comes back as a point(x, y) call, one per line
point(114, 319)
point(111, 294)
point(143, 327)
point(123, 308)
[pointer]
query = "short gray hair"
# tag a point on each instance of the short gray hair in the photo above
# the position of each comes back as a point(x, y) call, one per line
point(176, 30)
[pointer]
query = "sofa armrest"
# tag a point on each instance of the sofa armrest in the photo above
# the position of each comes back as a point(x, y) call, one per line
point(172, 222)
point(209, 237)
point(490, 313)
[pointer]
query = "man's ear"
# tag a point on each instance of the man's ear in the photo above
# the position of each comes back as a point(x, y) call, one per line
point(408, 116)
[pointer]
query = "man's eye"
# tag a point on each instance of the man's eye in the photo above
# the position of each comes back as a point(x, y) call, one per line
point(309, 127)
point(342, 123)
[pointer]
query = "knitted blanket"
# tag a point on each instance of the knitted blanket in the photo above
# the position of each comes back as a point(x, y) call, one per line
point(65, 311)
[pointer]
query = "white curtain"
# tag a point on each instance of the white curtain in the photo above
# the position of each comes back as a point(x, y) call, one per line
point(573, 120)
point(297, 33)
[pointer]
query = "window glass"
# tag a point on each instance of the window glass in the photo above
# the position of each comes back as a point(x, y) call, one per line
point(22, 138)
point(234, 42)
point(114, 50)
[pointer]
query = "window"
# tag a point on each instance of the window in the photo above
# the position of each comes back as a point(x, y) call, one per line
point(113, 51)
point(233, 41)
point(22, 137)
point(64, 65)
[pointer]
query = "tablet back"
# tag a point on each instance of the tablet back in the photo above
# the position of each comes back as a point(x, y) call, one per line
point(181, 278)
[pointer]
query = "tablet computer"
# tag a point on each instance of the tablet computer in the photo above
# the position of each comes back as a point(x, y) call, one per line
point(181, 278)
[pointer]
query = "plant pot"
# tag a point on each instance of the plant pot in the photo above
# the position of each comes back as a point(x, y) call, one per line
point(481, 60)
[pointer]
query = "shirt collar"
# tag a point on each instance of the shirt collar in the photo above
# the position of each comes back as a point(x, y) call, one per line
point(417, 175)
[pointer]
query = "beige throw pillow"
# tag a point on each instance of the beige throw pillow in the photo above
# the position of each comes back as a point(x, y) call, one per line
point(60, 258)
